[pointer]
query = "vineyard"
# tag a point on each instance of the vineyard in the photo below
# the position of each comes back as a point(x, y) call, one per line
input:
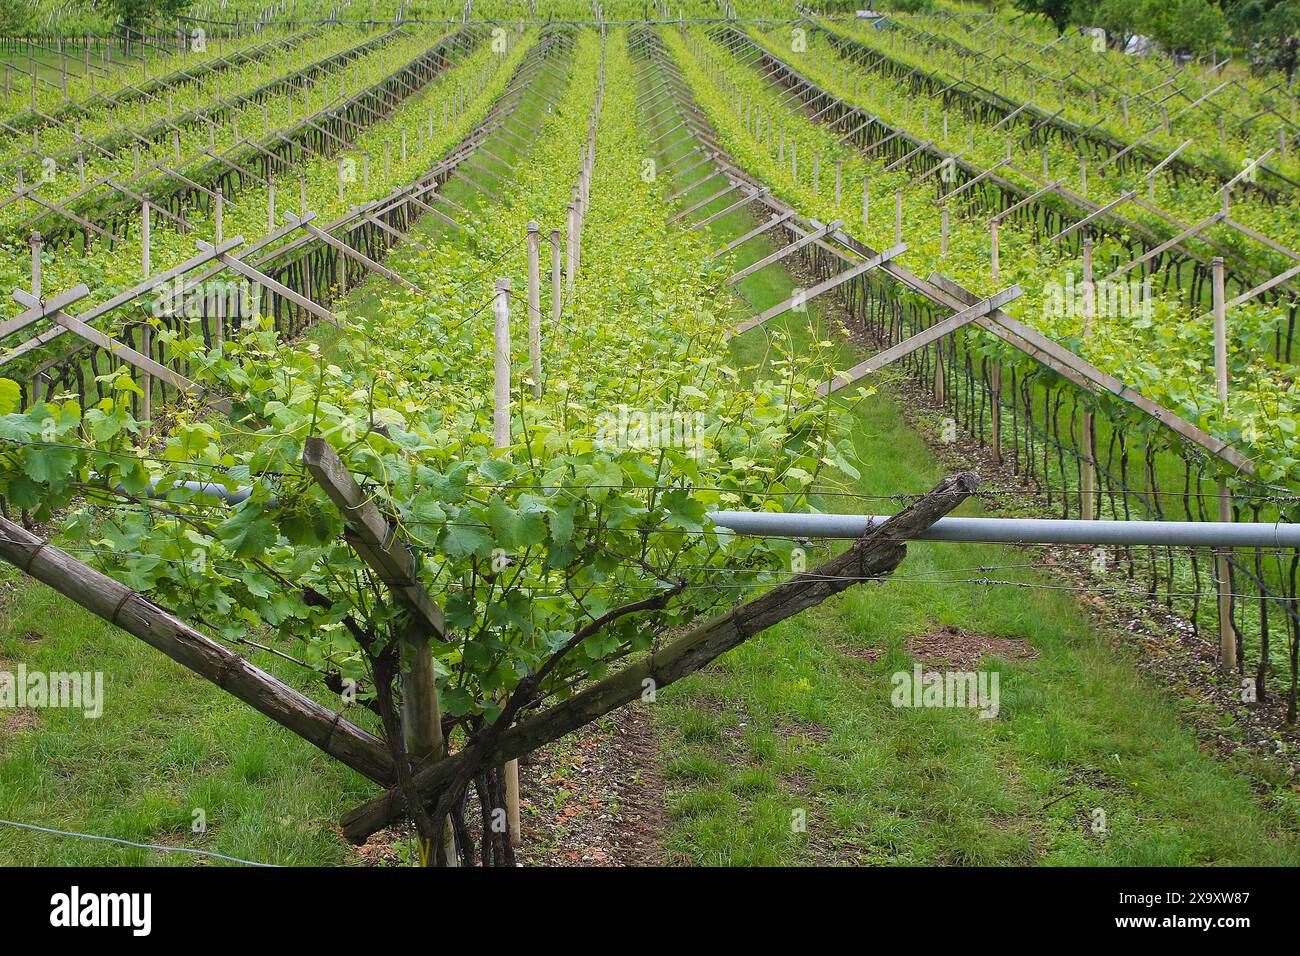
point(566, 433)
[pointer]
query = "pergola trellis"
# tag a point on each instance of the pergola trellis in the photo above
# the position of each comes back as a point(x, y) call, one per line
point(963, 308)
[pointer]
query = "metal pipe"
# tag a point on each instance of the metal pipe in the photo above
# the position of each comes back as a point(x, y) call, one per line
point(1024, 530)
point(1185, 534)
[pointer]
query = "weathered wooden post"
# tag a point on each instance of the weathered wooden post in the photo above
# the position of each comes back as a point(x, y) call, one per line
point(501, 439)
point(380, 547)
point(1227, 633)
point(1088, 475)
point(36, 263)
point(219, 306)
point(557, 296)
point(994, 265)
point(535, 308)
point(146, 268)
point(571, 249)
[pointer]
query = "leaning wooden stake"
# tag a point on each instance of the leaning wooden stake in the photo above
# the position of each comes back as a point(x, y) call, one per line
point(146, 267)
point(1227, 633)
point(875, 554)
point(135, 614)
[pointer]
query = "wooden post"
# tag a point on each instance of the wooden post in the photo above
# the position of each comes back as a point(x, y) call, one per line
point(571, 250)
point(218, 331)
point(501, 439)
point(36, 263)
point(1227, 633)
point(994, 264)
point(376, 543)
point(501, 366)
point(141, 618)
point(535, 308)
point(557, 296)
point(146, 269)
point(1088, 476)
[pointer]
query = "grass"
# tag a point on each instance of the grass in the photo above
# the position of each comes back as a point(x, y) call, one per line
point(168, 744)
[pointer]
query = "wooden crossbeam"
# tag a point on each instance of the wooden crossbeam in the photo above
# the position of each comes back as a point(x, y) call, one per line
point(772, 223)
point(1094, 215)
point(244, 269)
point(920, 340)
point(127, 354)
point(1041, 346)
point(699, 182)
point(392, 231)
point(352, 253)
point(750, 196)
point(1155, 251)
point(477, 185)
point(784, 251)
point(1026, 201)
point(825, 286)
point(43, 308)
point(730, 188)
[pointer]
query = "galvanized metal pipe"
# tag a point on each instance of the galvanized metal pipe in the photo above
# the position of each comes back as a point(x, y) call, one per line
point(1024, 530)
point(1184, 534)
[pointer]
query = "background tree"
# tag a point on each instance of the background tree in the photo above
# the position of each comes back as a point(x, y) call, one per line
point(1270, 32)
point(14, 16)
point(1183, 26)
point(136, 13)
point(1060, 12)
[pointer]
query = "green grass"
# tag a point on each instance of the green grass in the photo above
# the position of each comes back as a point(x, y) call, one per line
point(168, 744)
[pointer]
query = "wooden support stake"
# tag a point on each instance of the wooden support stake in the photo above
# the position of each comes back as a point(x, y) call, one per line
point(571, 249)
point(1227, 633)
point(1088, 477)
point(535, 308)
point(375, 541)
point(557, 296)
point(501, 439)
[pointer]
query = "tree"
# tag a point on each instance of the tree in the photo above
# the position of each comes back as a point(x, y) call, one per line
point(1060, 12)
point(1270, 30)
point(135, 13)
point(1183, 26)
point(1117, 17)
point(14, 16)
